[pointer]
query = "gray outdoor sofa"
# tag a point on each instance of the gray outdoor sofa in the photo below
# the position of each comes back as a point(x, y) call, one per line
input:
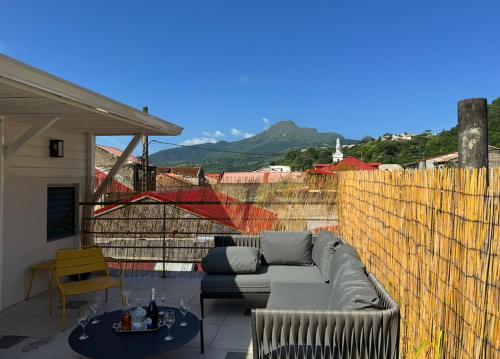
point(323, 307)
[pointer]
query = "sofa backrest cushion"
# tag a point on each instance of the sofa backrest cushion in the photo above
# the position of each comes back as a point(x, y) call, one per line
point(231, 260)
point(324, 247)
point(342, 253)
point(352, 289)
point(292, 248)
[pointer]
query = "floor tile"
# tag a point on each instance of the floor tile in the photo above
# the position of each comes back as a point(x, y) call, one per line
point(236, 337)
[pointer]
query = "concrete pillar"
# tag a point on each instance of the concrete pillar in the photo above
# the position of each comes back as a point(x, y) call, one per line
point(473, 133)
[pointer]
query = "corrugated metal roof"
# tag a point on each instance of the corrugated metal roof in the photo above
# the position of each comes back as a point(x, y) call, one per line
point(220, 208)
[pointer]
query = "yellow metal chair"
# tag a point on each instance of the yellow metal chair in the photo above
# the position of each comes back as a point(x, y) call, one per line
point(77, 262)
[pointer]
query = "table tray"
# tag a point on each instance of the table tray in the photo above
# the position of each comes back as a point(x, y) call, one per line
point(117, 328)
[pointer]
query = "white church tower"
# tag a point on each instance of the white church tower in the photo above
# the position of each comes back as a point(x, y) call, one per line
point(338, 155)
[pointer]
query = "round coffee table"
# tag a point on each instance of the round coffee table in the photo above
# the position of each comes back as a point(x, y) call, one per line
point(104, 343)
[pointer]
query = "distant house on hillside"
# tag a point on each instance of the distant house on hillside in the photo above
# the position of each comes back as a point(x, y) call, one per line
point(275, 169)
point(451, 160)
point(397, 137)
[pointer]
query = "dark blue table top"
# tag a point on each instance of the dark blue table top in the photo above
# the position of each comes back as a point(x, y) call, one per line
point(104, 343)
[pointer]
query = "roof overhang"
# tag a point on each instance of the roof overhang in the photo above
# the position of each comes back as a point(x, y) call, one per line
point(28, 94)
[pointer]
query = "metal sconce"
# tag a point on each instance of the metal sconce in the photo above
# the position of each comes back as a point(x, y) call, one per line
point(56, 148)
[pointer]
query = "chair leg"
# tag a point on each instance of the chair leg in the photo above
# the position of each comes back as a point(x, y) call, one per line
point(28, 291)
point(63, 319)
point(202, 307)
point(51, 296)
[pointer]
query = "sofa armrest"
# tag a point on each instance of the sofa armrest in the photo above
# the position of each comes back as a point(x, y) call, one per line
point(237, 240)
point(326, 333)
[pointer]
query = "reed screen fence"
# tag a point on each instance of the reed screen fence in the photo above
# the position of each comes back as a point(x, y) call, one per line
point(432, 238)
point(178, 225)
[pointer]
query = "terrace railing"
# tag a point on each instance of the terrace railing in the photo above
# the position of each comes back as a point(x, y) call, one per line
point(150, 231)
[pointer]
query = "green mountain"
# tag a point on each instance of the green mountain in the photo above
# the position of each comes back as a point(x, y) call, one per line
point(249, 154)
point(400, 152)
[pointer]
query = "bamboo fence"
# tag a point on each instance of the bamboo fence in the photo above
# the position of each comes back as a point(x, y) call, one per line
point(433, 239)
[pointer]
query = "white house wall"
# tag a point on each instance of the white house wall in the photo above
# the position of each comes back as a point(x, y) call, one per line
point(27, 176)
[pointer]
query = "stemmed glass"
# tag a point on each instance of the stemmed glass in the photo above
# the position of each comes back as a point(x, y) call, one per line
point(162, 300)
point(83, 320)
point(138, 302)
point(127, 294)
point(184, 308)
point(169, 321)
point(95, 305)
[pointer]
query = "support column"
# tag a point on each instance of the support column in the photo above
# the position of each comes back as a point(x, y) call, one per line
point(2, 198)
point(473, 133)
point(86, 237)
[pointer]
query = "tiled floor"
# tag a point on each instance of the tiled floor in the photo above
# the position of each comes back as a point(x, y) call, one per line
point(226, 327)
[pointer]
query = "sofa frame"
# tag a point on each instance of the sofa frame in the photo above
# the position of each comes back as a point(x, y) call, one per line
point(318, 334)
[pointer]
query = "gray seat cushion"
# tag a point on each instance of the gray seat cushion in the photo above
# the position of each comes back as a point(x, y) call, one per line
point(293, 248)
point(260, 281)
point(223, 260)
point(323, 249)
point(299, 296)
point(351, 288)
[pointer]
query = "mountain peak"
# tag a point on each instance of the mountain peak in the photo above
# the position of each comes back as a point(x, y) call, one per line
point(284, 125)
point(274, 142)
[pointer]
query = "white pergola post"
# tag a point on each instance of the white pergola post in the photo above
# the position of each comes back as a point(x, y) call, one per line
point(2, 198)
point(35, 130)
point(116, 167)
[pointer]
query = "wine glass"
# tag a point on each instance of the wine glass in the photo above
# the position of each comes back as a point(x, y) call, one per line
point(169, 321)
point(138, 302)
point(127, 294)
point(162, 300)
point(95, 305)
point(184, 308)
point(83, 319)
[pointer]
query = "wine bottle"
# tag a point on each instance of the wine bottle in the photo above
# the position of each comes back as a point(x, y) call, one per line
point(152, 311)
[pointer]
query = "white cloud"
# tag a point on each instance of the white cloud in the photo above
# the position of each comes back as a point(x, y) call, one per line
point(216, 133)
point(238, 133)
point(198, 141)
point(244, 79)
point(266, 122)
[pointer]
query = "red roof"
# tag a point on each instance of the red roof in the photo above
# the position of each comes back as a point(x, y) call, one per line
point(220, 208)
point(115, 186)
point(347, 164)
point(118, 153)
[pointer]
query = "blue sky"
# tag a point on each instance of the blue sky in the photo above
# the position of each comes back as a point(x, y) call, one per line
point(358, 67)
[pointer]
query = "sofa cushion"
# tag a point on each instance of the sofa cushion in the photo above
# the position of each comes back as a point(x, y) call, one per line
point(299, 296)
point(342, 253)
point(260, 281)
point(351, 289)
point(223, 260)
point(323, 250)
point(293, 248)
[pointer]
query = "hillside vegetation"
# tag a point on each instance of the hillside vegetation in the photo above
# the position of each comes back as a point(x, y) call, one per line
point(399, 152)
point(265, 148)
